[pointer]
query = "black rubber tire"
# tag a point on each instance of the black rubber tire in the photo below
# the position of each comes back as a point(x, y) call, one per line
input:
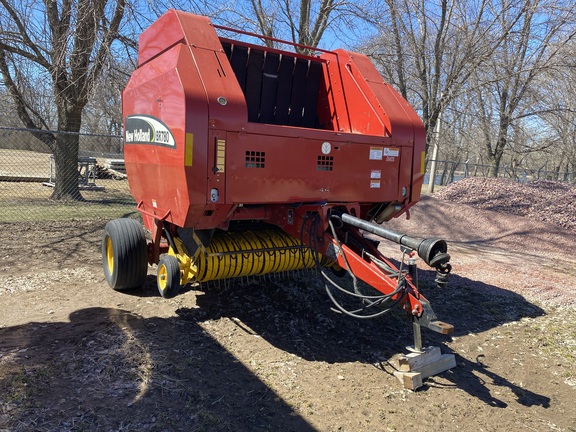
point(338, 271)
point(168, 277)
point(124, 254)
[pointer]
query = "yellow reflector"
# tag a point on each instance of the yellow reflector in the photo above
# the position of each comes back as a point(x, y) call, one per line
point(423, 162)
point(189, 149)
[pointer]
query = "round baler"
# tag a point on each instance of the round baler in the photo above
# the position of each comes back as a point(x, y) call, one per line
point(247, 160)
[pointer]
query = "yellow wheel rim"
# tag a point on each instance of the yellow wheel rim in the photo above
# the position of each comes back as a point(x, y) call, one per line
point(162, 277)
point(109, 255)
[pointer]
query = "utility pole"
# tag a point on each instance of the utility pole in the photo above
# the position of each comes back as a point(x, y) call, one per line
point(432, 178)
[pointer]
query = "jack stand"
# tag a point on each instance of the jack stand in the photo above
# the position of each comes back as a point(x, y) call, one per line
point(421, 362)
point(417, 347)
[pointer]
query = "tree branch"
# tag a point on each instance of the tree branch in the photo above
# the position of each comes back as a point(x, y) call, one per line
point(26, 40)
point(20, 103)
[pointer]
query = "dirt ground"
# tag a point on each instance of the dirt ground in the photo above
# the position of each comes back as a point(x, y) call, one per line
point(269, 355)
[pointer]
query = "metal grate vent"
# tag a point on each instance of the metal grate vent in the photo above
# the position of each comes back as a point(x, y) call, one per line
point(325, 163)
point(255, 159)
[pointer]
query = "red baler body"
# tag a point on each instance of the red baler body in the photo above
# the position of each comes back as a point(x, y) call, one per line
point(218, 130)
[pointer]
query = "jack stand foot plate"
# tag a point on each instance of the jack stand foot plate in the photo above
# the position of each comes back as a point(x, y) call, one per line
point(415, 366)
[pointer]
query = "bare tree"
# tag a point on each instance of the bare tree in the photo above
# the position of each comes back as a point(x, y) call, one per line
point(558, 109)
point(529, 49)
point(309, 28)
point(411, 50)
point(302, 22)
point(9, 117)
point(429, 50)
point(103, 113)
point(438, 52)
point(66, 45)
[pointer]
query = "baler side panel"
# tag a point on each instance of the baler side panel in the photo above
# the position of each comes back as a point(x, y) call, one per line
point(404, 124)
point(146, 163)
point(267, 168)
point(169, 88)
point(357, 94)
point(374, 113)
point(226, 102)
point(161, 36)
point(364, 114)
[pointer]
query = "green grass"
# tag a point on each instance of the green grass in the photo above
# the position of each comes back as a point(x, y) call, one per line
point(31, 202)
point(21, 383)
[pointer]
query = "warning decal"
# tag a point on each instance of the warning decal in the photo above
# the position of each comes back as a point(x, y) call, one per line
point(376, 153)
point(391, 152)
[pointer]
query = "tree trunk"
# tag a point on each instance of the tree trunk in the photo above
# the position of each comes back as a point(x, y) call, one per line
point(66, 163)
point(494, 166)
point(452, 172)
point(495, 156)
point(444, 173)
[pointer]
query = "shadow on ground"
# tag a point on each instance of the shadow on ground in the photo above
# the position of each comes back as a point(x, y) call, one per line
point(295, 315)
point(292, 318)
point(475, 377)
point(108, 369)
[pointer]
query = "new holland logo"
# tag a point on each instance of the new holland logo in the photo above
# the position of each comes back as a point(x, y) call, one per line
point(142, 129)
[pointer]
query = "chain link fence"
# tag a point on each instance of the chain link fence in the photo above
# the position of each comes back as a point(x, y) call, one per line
point(450, 171)
point(28, 177)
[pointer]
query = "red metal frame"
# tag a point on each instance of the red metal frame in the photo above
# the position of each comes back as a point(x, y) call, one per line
point(270, 49)
point(268, 38)
point(359, 264)
point(373, 276)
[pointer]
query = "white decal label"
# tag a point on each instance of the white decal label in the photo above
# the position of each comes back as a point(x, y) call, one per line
point(375, 174)
point(391, 152)
point(375, 153)
point(144, 129)
point(374, 184)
